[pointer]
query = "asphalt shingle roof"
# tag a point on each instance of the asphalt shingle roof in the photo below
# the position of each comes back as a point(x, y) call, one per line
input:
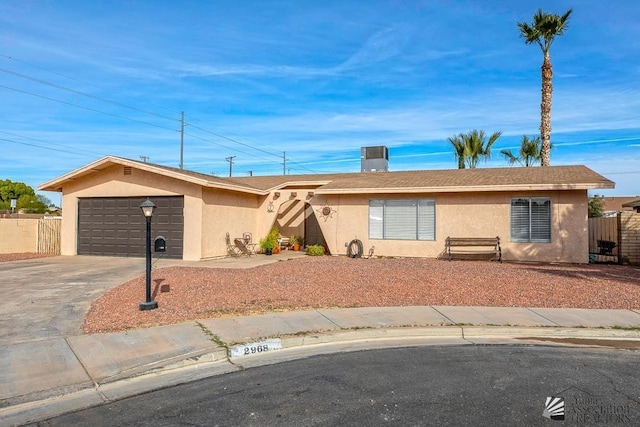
point(484, 179)
point(496, 178)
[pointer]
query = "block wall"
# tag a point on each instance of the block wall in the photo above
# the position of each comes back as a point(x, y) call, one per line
point(630, 237)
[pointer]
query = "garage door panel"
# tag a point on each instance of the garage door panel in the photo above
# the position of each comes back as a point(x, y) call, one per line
point(116, 226)
point(109, 219)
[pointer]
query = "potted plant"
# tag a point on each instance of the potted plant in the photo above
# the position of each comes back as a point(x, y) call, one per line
point(295, 243)
point(268, 244)
point(274, 234)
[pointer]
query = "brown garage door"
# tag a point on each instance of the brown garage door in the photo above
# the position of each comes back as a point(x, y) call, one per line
point(115, 226)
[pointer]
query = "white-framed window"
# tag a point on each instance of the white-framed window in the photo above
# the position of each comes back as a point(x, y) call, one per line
point(402, 219)
point(531, 219)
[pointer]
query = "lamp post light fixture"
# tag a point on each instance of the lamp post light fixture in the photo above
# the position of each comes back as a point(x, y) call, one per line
point(147, 210)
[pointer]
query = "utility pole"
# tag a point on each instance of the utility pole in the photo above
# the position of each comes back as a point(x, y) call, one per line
point(182, 140)
point(230, 160)
point(144, 158)
point(284, 163)
point(250, 173)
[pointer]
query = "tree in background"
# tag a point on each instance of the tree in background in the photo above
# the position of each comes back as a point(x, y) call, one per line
point(543, 30)
point(469, 148)
point(25, 196)
point(457, 141)
point(529, 154)
point(596, 206)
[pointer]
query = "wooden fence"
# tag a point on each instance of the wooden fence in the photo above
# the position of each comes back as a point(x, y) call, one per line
point(49, 233)
point(32, 235)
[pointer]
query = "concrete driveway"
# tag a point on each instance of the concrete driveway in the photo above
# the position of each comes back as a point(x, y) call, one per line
point(49, 297)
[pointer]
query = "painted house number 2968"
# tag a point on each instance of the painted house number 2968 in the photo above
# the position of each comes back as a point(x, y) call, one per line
point(256, 349)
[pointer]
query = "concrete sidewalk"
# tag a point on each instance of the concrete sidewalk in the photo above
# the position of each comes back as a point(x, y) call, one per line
point(41, 379)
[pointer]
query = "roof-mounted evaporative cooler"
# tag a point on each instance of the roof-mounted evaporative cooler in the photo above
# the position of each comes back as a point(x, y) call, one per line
point(374, 159)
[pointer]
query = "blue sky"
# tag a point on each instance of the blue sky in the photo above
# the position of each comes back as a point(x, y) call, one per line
point(315, 79)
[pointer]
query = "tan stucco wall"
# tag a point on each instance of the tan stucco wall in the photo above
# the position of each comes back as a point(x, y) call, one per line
point(466, 215)
point(18, 235)
point(113, 183)
point(227, 212)
point(211, 213)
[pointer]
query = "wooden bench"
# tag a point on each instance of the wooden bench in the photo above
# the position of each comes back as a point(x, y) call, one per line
point(472, 247)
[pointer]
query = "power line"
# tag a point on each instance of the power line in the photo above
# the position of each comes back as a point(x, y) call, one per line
point(47, 142)
point(40, 146)
point(236, 141)
point(127, 118)
point(88, 95)
point(119, 104)
point(85, 108)
point(250, 146)
point(225, 146)
point(73, 78)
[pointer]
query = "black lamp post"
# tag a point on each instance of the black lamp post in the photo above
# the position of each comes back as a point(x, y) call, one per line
point(147, 209)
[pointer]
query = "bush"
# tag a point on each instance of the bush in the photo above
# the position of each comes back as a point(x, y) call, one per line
point(315, 250)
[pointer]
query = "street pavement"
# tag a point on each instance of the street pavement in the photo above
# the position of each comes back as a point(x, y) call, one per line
point(45, 372)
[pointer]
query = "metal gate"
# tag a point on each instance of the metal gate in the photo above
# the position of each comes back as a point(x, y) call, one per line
point(604, 239)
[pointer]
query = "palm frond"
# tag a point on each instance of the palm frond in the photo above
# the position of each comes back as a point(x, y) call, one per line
point(510, 157)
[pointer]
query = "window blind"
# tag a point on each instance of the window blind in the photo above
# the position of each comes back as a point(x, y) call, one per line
point(402, 219)
point(531, 219)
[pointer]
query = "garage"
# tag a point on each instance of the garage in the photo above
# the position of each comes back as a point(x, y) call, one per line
point(115, 226)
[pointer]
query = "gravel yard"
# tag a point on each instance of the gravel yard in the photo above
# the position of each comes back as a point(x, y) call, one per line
point(188, 293)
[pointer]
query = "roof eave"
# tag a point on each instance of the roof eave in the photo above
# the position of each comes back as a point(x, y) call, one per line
point(282, 185)
point(99, 165)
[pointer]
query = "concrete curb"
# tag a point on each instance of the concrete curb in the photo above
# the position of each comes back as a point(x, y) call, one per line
point(190, 367)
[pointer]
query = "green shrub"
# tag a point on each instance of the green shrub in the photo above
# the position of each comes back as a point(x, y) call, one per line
point(315, 250)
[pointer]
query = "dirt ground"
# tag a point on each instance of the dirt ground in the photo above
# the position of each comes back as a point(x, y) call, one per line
point(21, 256)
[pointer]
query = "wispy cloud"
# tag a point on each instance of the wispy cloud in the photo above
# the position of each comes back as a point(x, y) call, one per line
point(315, 80)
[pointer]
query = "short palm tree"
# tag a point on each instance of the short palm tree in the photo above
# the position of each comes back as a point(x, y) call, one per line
point(543, 30)
point(457, 141)
point(529, 154)
point(471, 147)
point(476, 146)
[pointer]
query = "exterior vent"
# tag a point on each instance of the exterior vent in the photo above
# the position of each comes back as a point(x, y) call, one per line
point(127, 170)
point(374, 159)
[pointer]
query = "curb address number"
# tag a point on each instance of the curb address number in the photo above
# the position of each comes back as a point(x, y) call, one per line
point(256, 347)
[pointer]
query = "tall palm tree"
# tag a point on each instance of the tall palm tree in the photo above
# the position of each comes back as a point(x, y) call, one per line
point(469, 148)
point(529, 153)
point(457, 141)
point(543, 30)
